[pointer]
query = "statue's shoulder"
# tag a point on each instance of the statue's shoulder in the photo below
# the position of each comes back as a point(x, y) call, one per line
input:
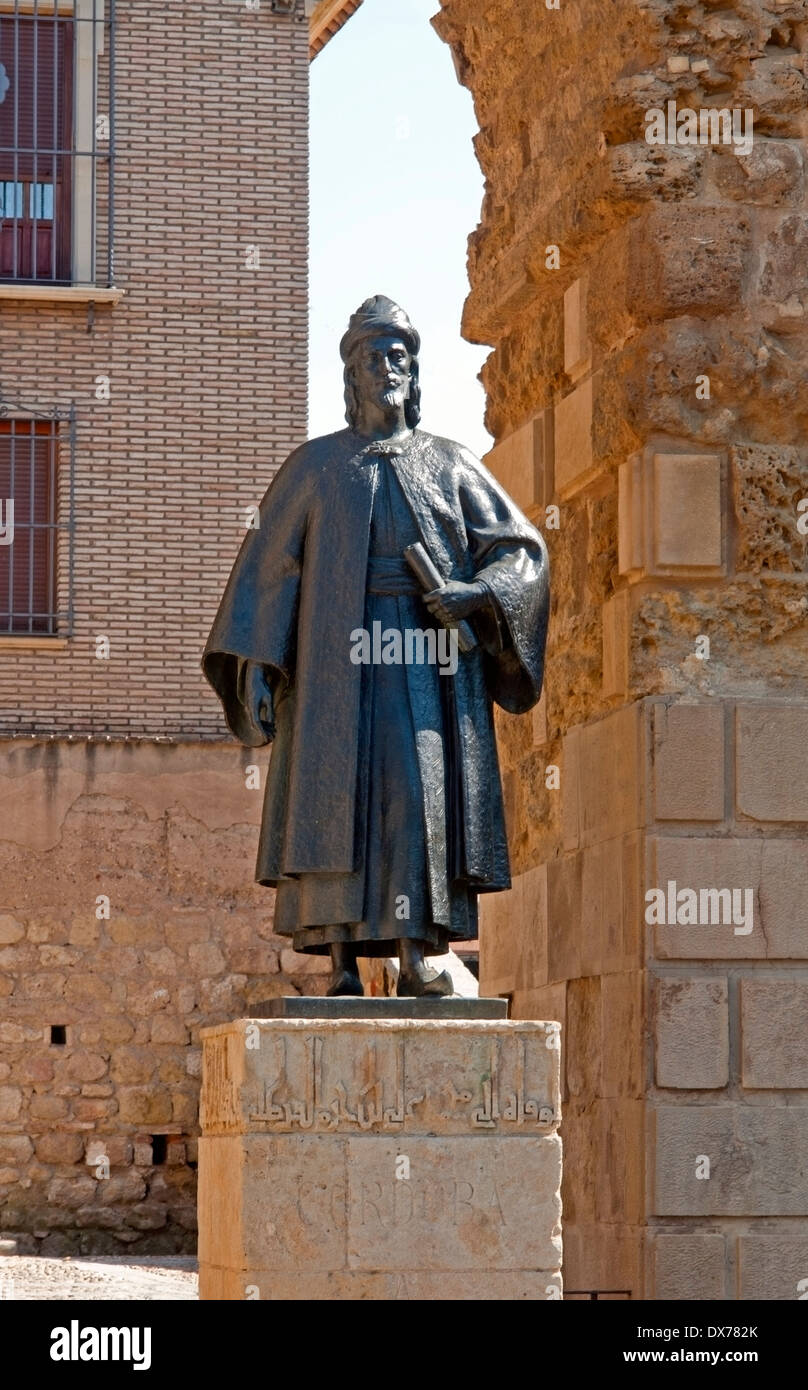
point(309, 458)
point(448, 449)
point(456, 457)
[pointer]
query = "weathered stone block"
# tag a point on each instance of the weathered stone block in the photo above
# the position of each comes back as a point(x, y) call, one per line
point(690, 1267)
point(10, 1104)
point(691, 1033)
point(11, 929)
point(773, 1014)
point(690, 258)
point(305, 1204)
point(772, 761)
point(478, 1202)
point(357, 1147)
point(662, 171)
point(756, 1157)
point(773, 1267)
point(767, 479)
point(688, 761)
point(59, 1148)
point(15, 1148)
point(290, 1075)
point(771, 174)
point(784, 267)
point(144, 1105)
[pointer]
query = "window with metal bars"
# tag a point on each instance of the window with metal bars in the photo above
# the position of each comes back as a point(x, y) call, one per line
point(36, 524)
point(56, 143)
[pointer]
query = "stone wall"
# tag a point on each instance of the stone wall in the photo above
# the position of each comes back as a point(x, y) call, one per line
point(647, 307)
point(206, 359)
point(168, 834)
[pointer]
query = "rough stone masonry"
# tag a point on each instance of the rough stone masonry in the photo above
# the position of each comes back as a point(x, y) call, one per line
point(647, 305)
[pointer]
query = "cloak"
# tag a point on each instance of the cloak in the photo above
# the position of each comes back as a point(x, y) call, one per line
point(298, 590)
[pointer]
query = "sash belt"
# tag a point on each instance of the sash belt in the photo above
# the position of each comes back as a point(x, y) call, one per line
point(389, 574)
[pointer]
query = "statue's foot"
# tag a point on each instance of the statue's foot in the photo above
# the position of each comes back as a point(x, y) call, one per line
point(423, 982)
point(344, 970)
point(344, 982)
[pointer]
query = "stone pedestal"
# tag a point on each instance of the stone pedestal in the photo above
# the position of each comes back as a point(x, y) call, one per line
point(380, 1158)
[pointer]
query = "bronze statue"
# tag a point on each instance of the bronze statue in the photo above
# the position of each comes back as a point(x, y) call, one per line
point(383, 814)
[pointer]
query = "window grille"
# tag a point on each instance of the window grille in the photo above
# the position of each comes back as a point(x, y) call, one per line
point(36, 522)
point(56, 141)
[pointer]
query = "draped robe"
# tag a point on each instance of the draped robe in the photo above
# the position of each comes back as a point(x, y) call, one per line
point(383, 813)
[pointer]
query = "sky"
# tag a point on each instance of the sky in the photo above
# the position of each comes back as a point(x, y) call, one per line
point(395, 192)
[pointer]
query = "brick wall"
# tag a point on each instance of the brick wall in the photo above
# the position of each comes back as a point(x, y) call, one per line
point(207, 366)
point(646, 306)
point(206, 359)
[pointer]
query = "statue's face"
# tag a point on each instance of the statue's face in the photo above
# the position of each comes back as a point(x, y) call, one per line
point(381, 367)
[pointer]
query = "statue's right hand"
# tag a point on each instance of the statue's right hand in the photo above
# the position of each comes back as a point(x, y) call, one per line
point(257, 701)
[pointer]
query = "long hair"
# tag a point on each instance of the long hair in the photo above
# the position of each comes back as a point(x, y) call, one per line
point(412, 406)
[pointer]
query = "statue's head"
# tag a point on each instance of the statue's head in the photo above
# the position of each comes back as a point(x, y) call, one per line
point(380, 352)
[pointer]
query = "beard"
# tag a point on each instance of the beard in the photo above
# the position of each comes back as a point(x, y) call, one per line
point(393, 396)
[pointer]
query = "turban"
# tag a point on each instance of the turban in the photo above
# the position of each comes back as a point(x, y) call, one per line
point(379, 315)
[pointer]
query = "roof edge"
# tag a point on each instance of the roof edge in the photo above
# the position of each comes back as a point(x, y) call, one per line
point(326, 18)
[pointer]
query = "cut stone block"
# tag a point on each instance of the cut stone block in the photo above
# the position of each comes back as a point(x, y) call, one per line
point(622, 1050)
point(617, 618)
point(756, 1155)
point(339, 1158)
point(404, 1284)
point(688, 762)
point(602, 777)
point(670, 516)
point(773, 1267)
point(576, 337)
point(772, 761)
point(686, 258)
point(464, 1202)
point(630, 517)
point(687, 512)
point(773, 1015)
point(691, 1267)
point(574, 464)
point(523, 463)
point(691, 1031)
point(775, 872)
point(513, 935)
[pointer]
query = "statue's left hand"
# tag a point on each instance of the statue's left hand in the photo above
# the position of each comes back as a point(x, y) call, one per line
point(455, 601)
point(257, 701)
